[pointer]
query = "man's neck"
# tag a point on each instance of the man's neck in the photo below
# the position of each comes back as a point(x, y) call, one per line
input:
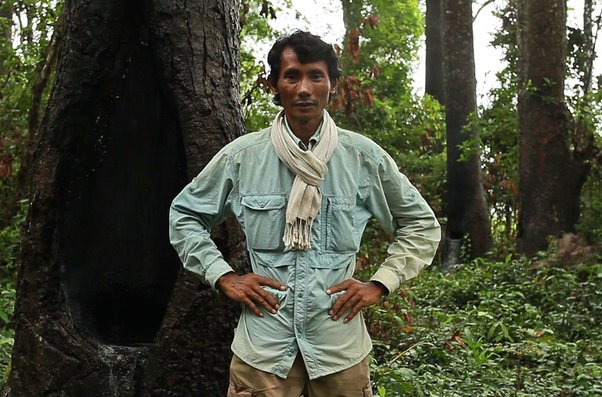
point(304, 131)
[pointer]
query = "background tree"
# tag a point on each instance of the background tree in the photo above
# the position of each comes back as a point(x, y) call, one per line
point(467, 212)
point(375, 94)
point(552, 172)
point(498, 126)
point(145, 94)
point(27, 54)
point(585, 102)
point(256, 32)
point(434, 83)
point(498, 137)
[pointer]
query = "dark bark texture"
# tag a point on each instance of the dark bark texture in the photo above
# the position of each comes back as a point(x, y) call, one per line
point(550, 176)
point(146, 93)
point(466, 204)
point(434, 81)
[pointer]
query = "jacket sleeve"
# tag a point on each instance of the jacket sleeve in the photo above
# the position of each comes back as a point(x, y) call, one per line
point(200, 205)
point(402, 211)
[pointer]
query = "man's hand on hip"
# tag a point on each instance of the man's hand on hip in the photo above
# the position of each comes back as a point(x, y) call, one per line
point(357, 295)
point(247, 290)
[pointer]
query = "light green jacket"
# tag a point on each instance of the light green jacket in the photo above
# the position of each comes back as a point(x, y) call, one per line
point(248, 179)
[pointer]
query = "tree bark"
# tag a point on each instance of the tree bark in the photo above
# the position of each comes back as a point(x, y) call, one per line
point(588, 46)
point(434, 82)
point(468, 215)
point(550, 176)
point(146, 93)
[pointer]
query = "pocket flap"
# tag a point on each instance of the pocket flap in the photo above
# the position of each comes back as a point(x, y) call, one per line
point(342, 202)
point(264, 202)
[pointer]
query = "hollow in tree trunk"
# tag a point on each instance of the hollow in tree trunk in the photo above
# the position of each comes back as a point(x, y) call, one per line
point(146, 93)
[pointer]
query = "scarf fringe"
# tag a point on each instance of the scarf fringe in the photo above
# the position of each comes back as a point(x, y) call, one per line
point(297, 235)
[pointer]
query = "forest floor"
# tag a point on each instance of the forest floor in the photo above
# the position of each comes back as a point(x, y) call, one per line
point(515, 327)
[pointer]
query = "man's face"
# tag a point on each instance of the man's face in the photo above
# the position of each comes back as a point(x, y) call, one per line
point(304, 89)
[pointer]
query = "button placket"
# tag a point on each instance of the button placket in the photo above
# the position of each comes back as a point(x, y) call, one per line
point(300, 302)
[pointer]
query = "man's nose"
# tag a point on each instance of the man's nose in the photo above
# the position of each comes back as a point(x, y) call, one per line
point(304, 87)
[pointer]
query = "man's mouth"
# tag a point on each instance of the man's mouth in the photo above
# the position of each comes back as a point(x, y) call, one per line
point(304, 103)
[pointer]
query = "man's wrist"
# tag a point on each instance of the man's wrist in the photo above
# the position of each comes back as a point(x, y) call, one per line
point(224, 277)
point(383, 289)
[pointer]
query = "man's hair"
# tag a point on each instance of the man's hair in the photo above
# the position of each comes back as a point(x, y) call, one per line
point(309, 48)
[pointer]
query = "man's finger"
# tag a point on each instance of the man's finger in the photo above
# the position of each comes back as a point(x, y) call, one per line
point(350, 303)
point(353, 313)
point(267, 300)
point(252, 307)
point(270, 282)
point(338, 287)
point(338, 304)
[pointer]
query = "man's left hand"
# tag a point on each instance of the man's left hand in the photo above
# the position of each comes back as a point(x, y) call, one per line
point(357, 296)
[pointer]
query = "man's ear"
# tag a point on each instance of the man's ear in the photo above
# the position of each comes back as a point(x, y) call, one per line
point(334, 86)
point(272, 88)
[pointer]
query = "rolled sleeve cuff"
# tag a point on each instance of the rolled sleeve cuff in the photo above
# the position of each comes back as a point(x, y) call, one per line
point(217, 270)
point(387, 278)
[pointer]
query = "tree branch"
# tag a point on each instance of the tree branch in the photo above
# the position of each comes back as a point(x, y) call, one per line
point(485, 4)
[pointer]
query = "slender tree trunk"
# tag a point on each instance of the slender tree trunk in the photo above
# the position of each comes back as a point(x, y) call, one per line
point(41, 78)
point(588, 46)
point(146, 92)
point(466, 204)
point(7, 210)
point(550, 176)
point(434, 82)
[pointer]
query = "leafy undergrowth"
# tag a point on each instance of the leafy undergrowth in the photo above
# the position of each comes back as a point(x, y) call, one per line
point(7, 334)
point(10, 237)
point(510, 328)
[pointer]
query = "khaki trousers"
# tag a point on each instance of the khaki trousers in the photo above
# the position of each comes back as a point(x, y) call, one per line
point(246, 381)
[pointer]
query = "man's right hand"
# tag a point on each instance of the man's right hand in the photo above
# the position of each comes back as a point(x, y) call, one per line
point(247, 290)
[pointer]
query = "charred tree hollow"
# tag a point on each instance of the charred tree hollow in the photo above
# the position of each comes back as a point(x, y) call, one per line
point(127, 163)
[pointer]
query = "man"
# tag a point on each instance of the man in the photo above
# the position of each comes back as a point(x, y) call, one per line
point(303, 190)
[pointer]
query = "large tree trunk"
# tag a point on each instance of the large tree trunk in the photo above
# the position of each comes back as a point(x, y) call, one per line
point(550, 176)
point(434, 81)
point(466, 204)
point(146, 93)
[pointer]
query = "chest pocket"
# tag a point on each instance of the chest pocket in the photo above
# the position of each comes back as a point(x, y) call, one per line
point(339, 223)
point(263, 221)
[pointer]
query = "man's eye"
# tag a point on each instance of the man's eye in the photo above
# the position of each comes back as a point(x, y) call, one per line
point(318, 76)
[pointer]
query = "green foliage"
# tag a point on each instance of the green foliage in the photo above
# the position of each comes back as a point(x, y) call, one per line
point(10, 238)
point(257, 107)
point(7, 334)
point(26, 29)
point(376, 91)
point(512, 327)
point(590, 224)
point(498, 126)
point(497, 123)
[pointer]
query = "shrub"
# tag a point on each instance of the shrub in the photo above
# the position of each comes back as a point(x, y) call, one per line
point(491, 329)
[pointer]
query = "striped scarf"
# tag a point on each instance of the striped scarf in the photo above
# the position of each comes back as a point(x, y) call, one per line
point(310, 168)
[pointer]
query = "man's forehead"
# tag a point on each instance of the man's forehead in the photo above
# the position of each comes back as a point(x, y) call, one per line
point(292, 60)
